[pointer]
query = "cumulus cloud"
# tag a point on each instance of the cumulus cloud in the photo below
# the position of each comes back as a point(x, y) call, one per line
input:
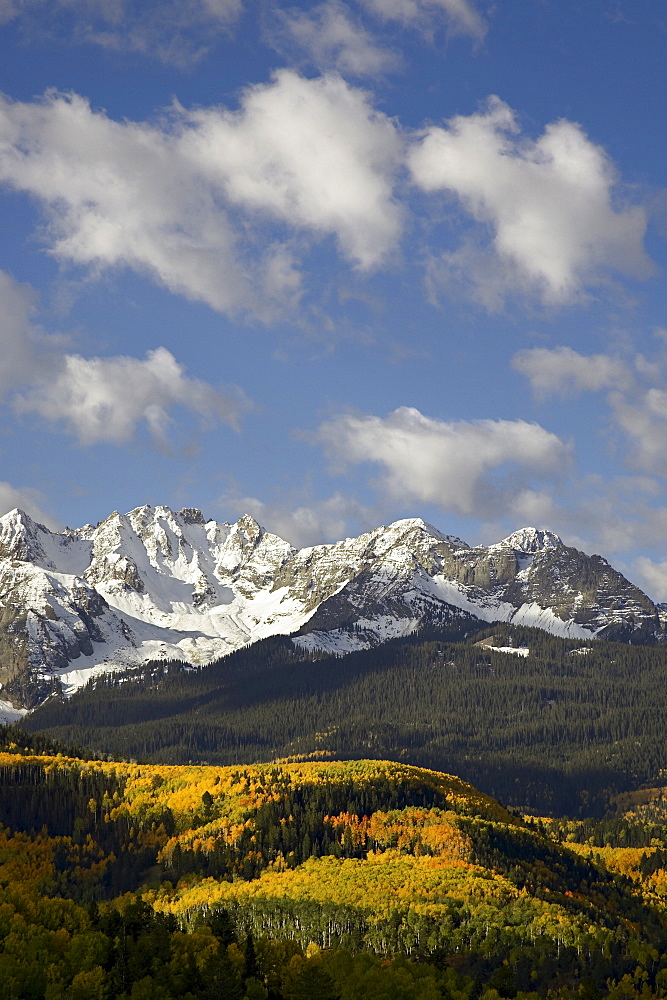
point(177, 32)
point(98, 399)
point(549, 202)
point(636, 395)
point(475, 468)
point(332, 39)
point(288, 150)
point(615, 518)
point(607, 516)
point(8, 11)
point(119, 195)
point(104, 399)
point(26, 499)
point(458, 16)
point(309, 523)
point(165, 200)
point(18, 337)
point(181, 32)
point(643, 419)
point(651, 576)
point(563, 371)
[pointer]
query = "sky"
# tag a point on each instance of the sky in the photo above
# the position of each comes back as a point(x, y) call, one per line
point(334, 264)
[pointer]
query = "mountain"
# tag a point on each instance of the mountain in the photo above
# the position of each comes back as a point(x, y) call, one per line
point(158, 584)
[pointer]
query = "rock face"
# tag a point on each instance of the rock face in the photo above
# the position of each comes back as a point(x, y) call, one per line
point(157, 584)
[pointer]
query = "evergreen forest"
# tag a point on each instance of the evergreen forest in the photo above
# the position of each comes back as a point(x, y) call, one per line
point(287, 825)
point(560, 731)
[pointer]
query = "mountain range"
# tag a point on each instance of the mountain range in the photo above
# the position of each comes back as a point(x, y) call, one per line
point(158, 584)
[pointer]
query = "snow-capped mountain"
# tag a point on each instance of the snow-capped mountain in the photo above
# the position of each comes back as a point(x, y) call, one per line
point(155, 584)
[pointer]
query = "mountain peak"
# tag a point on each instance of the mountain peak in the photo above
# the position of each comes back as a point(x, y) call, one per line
point(406, 523)
point(19, 535)
point(249, 527)
point(155, 583)
point(192, 515)
point(18, 518)
point(531, 540)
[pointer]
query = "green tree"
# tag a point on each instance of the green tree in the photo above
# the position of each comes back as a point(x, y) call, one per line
point(250, 967)
point(305, 979)
point(222, 981)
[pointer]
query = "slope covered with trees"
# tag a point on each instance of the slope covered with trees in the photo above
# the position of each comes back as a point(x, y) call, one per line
point(318, 880)
point(559, 731)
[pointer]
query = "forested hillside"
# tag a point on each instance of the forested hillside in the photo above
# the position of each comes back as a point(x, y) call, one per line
point(559, 731)
point(325, 881)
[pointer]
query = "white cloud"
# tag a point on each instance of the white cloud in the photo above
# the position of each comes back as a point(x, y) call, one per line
point(98, 399)
point(564, 372)
point(474, 468)
point(313, 153)
point(28, 500)
point(535, 507)
point(626, 525)
point(177, 32)
point(458, 16)
point(104, 399)
point(613, 517)
point(307, 524)
point(332, 40)
point(8, 11)
point(163, 200)
point(636, 395)
point(651, 576)
point(643, 419)
point(476, 271)
point(17, 334)
point(120, 195)
point(549, 202)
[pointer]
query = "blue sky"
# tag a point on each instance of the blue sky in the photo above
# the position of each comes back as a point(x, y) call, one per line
point(338, 263)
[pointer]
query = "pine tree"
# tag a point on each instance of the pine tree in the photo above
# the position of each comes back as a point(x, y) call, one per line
point(250, 967)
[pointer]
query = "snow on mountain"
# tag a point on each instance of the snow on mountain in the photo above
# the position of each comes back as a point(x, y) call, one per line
point(9, 714)
point(160, 584)
point(529, 540)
